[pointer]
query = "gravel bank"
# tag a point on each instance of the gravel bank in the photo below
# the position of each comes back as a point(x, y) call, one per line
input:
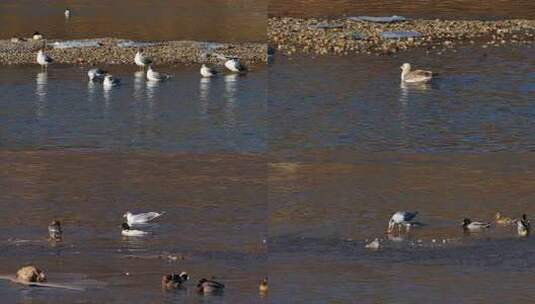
point(117, 51)
point(345, 36)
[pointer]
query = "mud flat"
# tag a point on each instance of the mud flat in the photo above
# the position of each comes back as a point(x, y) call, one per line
point(119, 51)
point(390, 35)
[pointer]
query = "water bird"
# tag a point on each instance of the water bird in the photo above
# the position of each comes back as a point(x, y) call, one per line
point(96, 74)
point(207, 72)
point(401, 218)
point(110, 81)
point(141, 60)
point(263, 287)
point(503, 220)
point(141, 218)
point(523, 226)
point(54, 231)
point(128, 231)
point(210, 286)
point(43, 59)
point(17, 39)
point(67, 13)
point(468, 225)
point(373, 245)
point(174, 281)
point(414, 76)
point(152, 75)
point(234, 65)
point(37, 36)
point(30, 273)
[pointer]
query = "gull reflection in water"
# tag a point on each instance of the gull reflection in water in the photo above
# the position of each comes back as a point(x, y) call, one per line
point(231, 91)
point(204, 94)
point(41, 90)
point(91, 91)
point(139, 84)
point(152, 89)
point(107, 92)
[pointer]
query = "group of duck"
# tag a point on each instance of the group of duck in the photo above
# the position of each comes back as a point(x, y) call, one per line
point(141, 60)
point(31, 273)
point(406, 219)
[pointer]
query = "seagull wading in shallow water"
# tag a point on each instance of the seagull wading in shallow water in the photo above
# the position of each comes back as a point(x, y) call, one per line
point(234, 65)
point(414, 76)
point(67, 12)
point(141, 60)
point(43, 59)
point(401, 218)
point(96, 74)
point(152, 75)
point(141, 218)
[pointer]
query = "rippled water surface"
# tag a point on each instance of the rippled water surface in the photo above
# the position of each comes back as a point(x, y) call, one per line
point(212, 20)
point(430, 9)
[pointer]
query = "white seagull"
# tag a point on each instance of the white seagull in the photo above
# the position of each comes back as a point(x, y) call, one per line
point(141, 218)
point(414, 76)
point(468, 225)
point(43, 59)
point(141, 60)
point(152, 75)
point(37, 36)
point(234, 65)
point(401, 218)
point(67, 13)
point(96, 74)
point(523, 226)
point(207, 72)
point(110, 81)
point(127, 231)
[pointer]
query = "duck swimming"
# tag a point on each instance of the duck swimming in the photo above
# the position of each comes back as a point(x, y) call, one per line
point(401, 218)
point(209, 286)
point(414, 76)
point(174, 281)
point(127, 231)
point(54, 231)
point(468, 225)
point(110, 81)
point(31, 273)
point(503, 220)
point(523, 226)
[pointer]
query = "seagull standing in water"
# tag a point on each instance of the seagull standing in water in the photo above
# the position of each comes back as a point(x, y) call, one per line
point(141, 218)
point(401, 218)
point(141, 60)
point(152, 75)
point(234, 65)
point(207, 72)
point(414, 76)
point(43, 59)
point(67, 13)
point(96, 74)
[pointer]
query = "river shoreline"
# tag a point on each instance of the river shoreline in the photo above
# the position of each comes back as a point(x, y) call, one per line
point(118, 51)
point(344, 36)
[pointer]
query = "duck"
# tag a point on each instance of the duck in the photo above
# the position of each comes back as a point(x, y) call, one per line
point(209, 286)
point(96, 74)
point(503, 220)
point(207, 72)
point(54, 231)
point(110, 81)
point(523, 227)
point(152, 75)
point(174, 281)
point(127, 231)
point(468, 225)
point(141, 60)
point(234, 65)
point(401, 218)
point(43, 59)
point(37, 36)
point(67, 12)
point(141, 218)
point(30, 274)
point(414, 76)
point(263, 287)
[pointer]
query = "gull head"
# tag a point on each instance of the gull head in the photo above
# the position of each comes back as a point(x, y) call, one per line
point(406, 67)
point(466, 222)
point(125, 226)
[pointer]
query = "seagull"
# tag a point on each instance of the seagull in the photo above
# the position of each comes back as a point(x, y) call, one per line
point(468, 225)
point(110, 81)
point(141, 218)
point(67, 13)
point(414, 76)
point(503, 220)
point(127, 231)
point(263, 287)
point(523, 226)
point(152, 75)
point(43, 59)
point(207, 72)
point(173, 281)
point(96, 74)
point(141, 60)
point(209, 286)
point(54, 231)
point(234, 65)
point(373, 245)
point(401, 218)
point(37, 36)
